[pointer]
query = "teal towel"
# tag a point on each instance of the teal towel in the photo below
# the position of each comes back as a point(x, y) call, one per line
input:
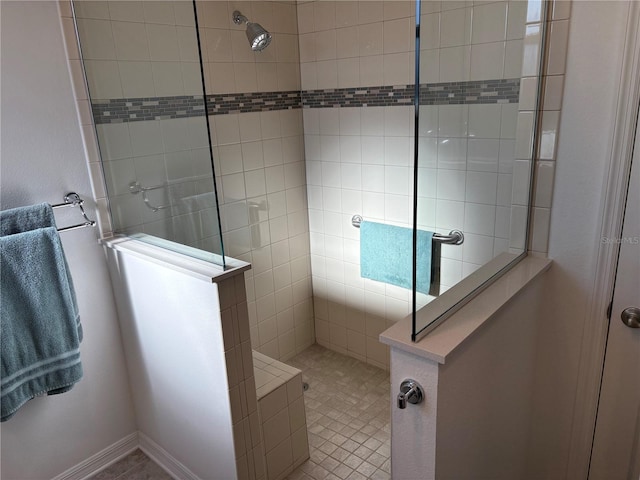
point(39, 320)
point(32, 217)
point(386, 255)
point(23, 219)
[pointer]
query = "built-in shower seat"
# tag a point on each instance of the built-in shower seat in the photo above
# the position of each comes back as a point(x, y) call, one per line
point(282, 415)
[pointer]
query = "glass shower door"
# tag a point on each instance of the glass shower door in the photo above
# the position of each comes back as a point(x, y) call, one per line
point(143, 68)
point(473, 183)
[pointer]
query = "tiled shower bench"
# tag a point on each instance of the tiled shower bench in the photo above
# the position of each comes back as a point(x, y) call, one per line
point(282, 415)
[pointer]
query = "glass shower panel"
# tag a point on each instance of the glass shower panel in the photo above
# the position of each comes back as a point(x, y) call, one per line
point(143, 71)
point(471, 57)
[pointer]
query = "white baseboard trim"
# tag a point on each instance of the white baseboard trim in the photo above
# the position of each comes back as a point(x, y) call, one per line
point(163, 458)
point(121, 449)
point(102, 459)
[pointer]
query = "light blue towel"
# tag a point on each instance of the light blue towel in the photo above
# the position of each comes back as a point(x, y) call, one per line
point(23, 219)
point(386, 255)
point(32, 217)
point(39, 319)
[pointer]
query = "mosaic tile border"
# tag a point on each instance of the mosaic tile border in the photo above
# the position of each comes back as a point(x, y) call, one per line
point(125, 110)
point(221, 104)
point(446, 93)
point(471, 93)
point(385, 96)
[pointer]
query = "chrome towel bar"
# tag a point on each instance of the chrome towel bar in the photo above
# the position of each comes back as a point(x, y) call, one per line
point(135, 187)
point(455, 237)
point(72, 199)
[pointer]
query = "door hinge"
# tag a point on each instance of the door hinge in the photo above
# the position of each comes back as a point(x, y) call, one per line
point(609, 309)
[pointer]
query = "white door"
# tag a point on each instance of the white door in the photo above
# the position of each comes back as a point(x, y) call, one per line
point(616, 445)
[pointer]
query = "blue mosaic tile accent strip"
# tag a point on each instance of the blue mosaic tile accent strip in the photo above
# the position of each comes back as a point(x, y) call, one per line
point(449, 93)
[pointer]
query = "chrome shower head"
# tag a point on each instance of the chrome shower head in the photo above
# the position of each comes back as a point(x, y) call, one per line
point(258, 37)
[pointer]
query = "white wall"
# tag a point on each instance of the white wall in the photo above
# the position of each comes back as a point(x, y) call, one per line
point(593, 71)
point(176, 356)
point(474, 419)
point(42, 159)
point(485, 395)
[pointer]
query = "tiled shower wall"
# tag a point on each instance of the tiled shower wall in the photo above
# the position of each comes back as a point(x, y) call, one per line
point(467, 150)
point(259, 163)
point(360, 159)
point(546, 149)
point(373, 142)
point(144, 75)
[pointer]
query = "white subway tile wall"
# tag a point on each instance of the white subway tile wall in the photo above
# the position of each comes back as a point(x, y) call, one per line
point(344, 180)
point(264, 221)
point(359, 160)
point(231, 66)
point(260, 166)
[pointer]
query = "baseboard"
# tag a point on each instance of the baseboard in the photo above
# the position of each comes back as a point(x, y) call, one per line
point(102, 459)
point(121, 449)
point(163, 458)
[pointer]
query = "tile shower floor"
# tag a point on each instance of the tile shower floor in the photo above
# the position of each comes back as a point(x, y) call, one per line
point(348, 417)
point(348, 422)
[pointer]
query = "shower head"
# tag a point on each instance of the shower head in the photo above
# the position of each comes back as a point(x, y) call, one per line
point(258, 37)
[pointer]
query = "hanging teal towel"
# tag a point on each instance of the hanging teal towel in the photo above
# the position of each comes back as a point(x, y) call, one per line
point(39, 320)
point(23, 219)
point(32, 217)
point(386, 255)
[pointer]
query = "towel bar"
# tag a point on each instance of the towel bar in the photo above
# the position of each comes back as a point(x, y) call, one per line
point(72, 199)
point(455, 237)
point(135, 188)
